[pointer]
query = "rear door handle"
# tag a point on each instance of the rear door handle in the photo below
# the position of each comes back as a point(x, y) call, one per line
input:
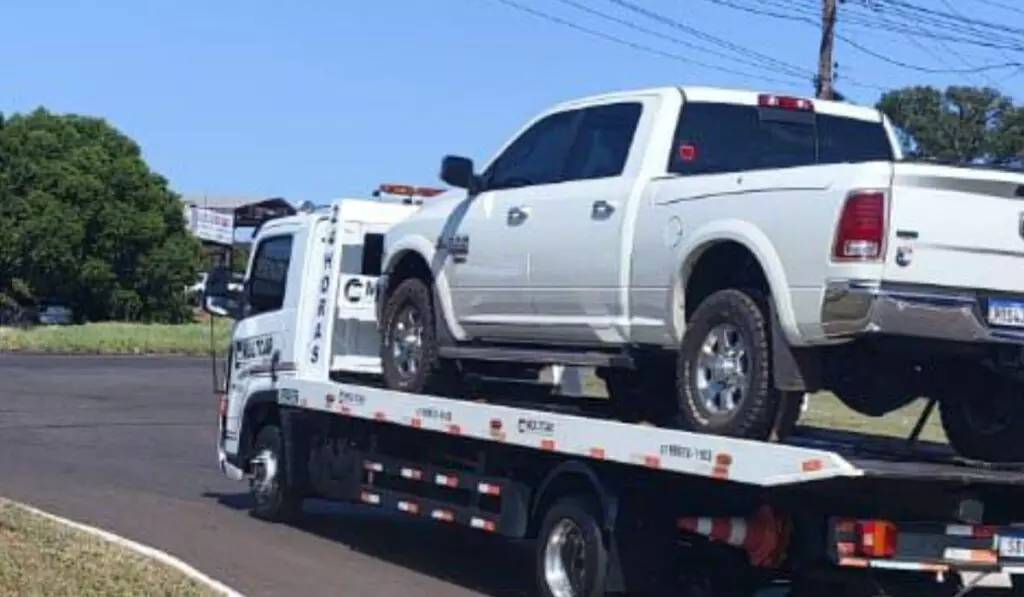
point(601, 209)
point(517, 215)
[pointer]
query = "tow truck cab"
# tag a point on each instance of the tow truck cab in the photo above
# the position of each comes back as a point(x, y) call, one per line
point(284, 318)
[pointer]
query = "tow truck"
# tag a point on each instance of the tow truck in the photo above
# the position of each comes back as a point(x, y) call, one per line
point(607, 506)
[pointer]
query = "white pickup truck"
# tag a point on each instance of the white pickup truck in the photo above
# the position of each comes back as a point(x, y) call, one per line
point(709, 251)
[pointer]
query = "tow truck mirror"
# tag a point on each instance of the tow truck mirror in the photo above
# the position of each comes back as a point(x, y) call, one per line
point(458, 171)
point(220, 299)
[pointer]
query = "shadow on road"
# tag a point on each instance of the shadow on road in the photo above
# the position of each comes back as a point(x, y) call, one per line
point(489, 565)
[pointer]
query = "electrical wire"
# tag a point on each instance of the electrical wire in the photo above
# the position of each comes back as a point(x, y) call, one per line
point(636, 46)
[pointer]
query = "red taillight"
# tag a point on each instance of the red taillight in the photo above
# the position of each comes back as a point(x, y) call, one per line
point(786, 103)
point(876, 539)
point(860, 235)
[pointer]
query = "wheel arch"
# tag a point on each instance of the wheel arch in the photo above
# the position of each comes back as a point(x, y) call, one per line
point(733, 238)
point(415, 257)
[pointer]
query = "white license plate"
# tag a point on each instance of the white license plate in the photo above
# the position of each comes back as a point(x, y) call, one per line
point(1006, 313)
point(1011, 546)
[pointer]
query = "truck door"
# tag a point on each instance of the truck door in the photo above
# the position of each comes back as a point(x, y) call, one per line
point(262, 349)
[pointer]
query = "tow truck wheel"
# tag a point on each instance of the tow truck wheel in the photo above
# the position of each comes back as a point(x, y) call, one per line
point(571, 558)
point(723, 369)
point(982, 414)
point(409, 351)
point(273, 498)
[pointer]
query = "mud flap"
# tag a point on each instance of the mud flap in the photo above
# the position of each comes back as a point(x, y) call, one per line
point(793, 369)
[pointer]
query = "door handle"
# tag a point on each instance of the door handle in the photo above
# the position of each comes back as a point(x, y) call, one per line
point(517, 215)
point(601, 209)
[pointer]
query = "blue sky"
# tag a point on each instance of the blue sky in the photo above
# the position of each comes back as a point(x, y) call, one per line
point(328, 98)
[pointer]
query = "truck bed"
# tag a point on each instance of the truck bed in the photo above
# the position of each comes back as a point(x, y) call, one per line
point(811, 455)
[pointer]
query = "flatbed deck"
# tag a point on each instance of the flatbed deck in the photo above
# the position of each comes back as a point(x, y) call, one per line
point(810, 455)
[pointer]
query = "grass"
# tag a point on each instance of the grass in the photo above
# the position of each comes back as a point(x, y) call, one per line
point(117, 338)
point(825, 410)
point(41, 558)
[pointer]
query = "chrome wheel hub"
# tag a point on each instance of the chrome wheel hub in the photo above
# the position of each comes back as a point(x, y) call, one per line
point(722, 370)
point(407, 341)
point(565, 560)
point(264, 475)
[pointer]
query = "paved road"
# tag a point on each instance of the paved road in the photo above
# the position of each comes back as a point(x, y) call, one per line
point(127, 444)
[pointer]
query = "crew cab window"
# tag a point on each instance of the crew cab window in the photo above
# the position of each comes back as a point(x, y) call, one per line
point(603, 140)
point(536, 157)
point(269, 276)
point(716, 138)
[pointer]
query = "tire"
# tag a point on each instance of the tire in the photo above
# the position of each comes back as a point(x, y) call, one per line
point(431, 375)
point(738, 316)
point(982, 414)
point(273, 499)
point(576, 520)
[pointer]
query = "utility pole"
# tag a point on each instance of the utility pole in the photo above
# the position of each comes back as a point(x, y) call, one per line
point(826, 74)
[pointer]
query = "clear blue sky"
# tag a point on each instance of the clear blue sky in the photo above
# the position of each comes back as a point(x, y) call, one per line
point(327, 98)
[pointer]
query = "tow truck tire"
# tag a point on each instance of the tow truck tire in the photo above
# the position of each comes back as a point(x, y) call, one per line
point(412, 302)
point(571, 555)
point(982, 414)
point(275, 500)
point(727, 340)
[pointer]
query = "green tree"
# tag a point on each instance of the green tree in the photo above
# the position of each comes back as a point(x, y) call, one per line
point(960, 124)
point(85, 222)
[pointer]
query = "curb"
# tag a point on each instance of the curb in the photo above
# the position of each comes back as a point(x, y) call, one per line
point(143, 550)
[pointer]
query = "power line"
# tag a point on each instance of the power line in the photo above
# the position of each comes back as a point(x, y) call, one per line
point(621, 41)
point(866, 50)
point(1002, 5)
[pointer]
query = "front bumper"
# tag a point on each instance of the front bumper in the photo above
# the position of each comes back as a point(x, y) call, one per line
point(856, 307)
point(226, 468)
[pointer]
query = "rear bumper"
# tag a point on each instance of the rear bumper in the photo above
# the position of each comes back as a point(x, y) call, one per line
point(857, 307)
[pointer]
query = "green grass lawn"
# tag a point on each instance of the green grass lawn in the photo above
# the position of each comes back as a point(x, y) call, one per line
point(117, 338)
point(42, 558)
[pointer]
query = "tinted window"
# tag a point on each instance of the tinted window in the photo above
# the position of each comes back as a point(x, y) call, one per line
point(603, 140)
point(712, 138)
point(535, 157)
point(269, 275)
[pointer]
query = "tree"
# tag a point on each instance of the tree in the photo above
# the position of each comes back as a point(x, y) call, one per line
point(961, 124)
point(86, 223)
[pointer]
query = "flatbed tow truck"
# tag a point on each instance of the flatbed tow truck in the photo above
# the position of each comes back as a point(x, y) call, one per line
point(608, 507)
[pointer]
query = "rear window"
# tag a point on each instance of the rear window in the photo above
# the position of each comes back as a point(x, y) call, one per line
point(715, 138)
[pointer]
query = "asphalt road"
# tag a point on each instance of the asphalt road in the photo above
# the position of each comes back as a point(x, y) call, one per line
point(127, 444)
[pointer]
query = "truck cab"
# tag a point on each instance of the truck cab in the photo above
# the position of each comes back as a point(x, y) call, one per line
point(307, 305)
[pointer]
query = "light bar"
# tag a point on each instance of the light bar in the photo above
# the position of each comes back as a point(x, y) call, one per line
point(408, 190)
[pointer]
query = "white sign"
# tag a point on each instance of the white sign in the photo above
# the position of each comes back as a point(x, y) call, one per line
point(210, 226)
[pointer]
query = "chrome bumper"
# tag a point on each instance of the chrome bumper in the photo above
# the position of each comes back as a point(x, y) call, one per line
point(854, 308)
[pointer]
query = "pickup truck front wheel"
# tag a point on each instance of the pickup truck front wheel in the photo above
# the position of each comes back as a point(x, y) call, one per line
point(723, 369)
point(409, 349)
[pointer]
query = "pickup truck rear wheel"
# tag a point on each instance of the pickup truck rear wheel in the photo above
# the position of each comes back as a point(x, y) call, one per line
point(409, 351)
point(982, 414)
point(723, 369)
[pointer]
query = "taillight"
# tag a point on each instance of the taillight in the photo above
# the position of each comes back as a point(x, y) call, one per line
point(785, 103)
point(860, 234)
point(866, 538)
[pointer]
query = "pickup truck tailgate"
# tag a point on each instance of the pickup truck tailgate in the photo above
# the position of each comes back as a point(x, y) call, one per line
point(959, 228)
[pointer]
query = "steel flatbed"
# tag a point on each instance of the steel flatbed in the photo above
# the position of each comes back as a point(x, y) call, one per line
point(811, 455)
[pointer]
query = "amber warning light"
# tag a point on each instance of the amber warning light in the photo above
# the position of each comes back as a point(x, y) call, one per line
point(406, 190)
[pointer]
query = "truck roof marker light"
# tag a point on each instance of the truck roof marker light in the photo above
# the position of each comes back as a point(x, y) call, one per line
point(783, 102)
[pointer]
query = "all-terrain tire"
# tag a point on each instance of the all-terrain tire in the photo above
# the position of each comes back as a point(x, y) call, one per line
point(754, 415)
point(982, 414)
point(433, 375)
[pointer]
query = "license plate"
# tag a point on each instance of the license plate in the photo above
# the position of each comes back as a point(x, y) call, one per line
point(1006, 313)
point(1011, 546)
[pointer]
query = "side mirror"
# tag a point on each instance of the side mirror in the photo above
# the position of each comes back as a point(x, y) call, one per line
point(458, 171)
point(221, 297)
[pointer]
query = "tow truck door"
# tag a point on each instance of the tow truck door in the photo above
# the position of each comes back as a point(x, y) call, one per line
point(262, 349)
